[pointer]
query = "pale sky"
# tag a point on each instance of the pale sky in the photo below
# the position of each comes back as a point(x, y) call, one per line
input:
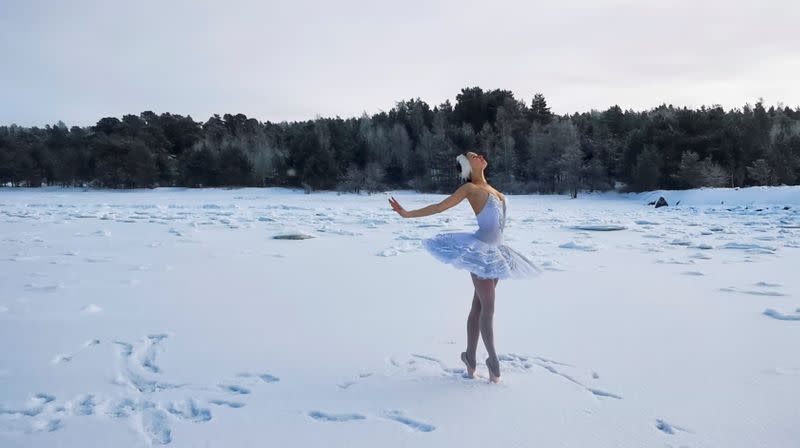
point(79, 61)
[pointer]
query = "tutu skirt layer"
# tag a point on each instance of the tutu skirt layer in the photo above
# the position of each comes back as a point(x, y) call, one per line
point(465, 251)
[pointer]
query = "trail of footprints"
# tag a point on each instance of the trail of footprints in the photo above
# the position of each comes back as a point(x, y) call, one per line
point(394, 415)
point(416, 365)
point(141, 377)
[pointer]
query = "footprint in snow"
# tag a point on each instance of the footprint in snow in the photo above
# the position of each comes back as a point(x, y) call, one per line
point(339, 418)
point(415, 425)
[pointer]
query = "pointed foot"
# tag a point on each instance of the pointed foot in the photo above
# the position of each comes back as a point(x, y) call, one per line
point(470, 363)
point(494, 370)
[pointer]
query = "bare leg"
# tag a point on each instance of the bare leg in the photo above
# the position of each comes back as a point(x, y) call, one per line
point(485, 289)
point(473, 333)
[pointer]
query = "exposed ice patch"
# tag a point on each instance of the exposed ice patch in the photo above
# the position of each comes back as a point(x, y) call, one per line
point(579, 245)
point(753, 292)
point(673, 261)
point(756, 248)
point(598, 227)
point(680, 242)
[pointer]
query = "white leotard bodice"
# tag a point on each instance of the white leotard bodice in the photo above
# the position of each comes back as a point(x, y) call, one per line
point(491, 221)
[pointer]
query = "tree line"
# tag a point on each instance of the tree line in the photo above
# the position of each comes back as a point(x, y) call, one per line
point(414, 145)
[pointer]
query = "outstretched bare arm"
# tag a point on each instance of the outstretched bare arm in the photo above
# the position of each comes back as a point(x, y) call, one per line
point(432, 209)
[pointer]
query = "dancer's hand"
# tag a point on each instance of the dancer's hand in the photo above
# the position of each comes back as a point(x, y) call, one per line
point(397, 207)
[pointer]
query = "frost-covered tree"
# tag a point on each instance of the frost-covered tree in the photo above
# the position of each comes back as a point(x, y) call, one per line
point(690, 173)
point(760, 172)
point(571, 165)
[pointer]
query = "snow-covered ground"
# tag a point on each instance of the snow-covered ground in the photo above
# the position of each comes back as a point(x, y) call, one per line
point(172, 316)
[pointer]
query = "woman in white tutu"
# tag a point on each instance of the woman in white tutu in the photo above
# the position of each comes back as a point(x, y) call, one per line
point(482, 253)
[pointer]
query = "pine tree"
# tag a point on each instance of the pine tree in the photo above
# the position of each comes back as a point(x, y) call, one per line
point(539, 112)
point(647, 172)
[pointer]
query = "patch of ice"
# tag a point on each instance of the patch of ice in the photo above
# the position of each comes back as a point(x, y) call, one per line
point(598, 227)
point(749, 247)
point(673, 261)
point(579, 245)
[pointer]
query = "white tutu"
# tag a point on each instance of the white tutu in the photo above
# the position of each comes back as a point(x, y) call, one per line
point(482, 252)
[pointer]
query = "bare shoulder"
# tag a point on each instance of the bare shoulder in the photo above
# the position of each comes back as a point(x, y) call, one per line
point(467, 188)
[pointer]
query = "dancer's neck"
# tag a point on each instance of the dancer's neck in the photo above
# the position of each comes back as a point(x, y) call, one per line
point(479, 179)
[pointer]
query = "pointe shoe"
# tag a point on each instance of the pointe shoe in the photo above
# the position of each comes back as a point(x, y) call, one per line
point(494, 370)
point(470, 365)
